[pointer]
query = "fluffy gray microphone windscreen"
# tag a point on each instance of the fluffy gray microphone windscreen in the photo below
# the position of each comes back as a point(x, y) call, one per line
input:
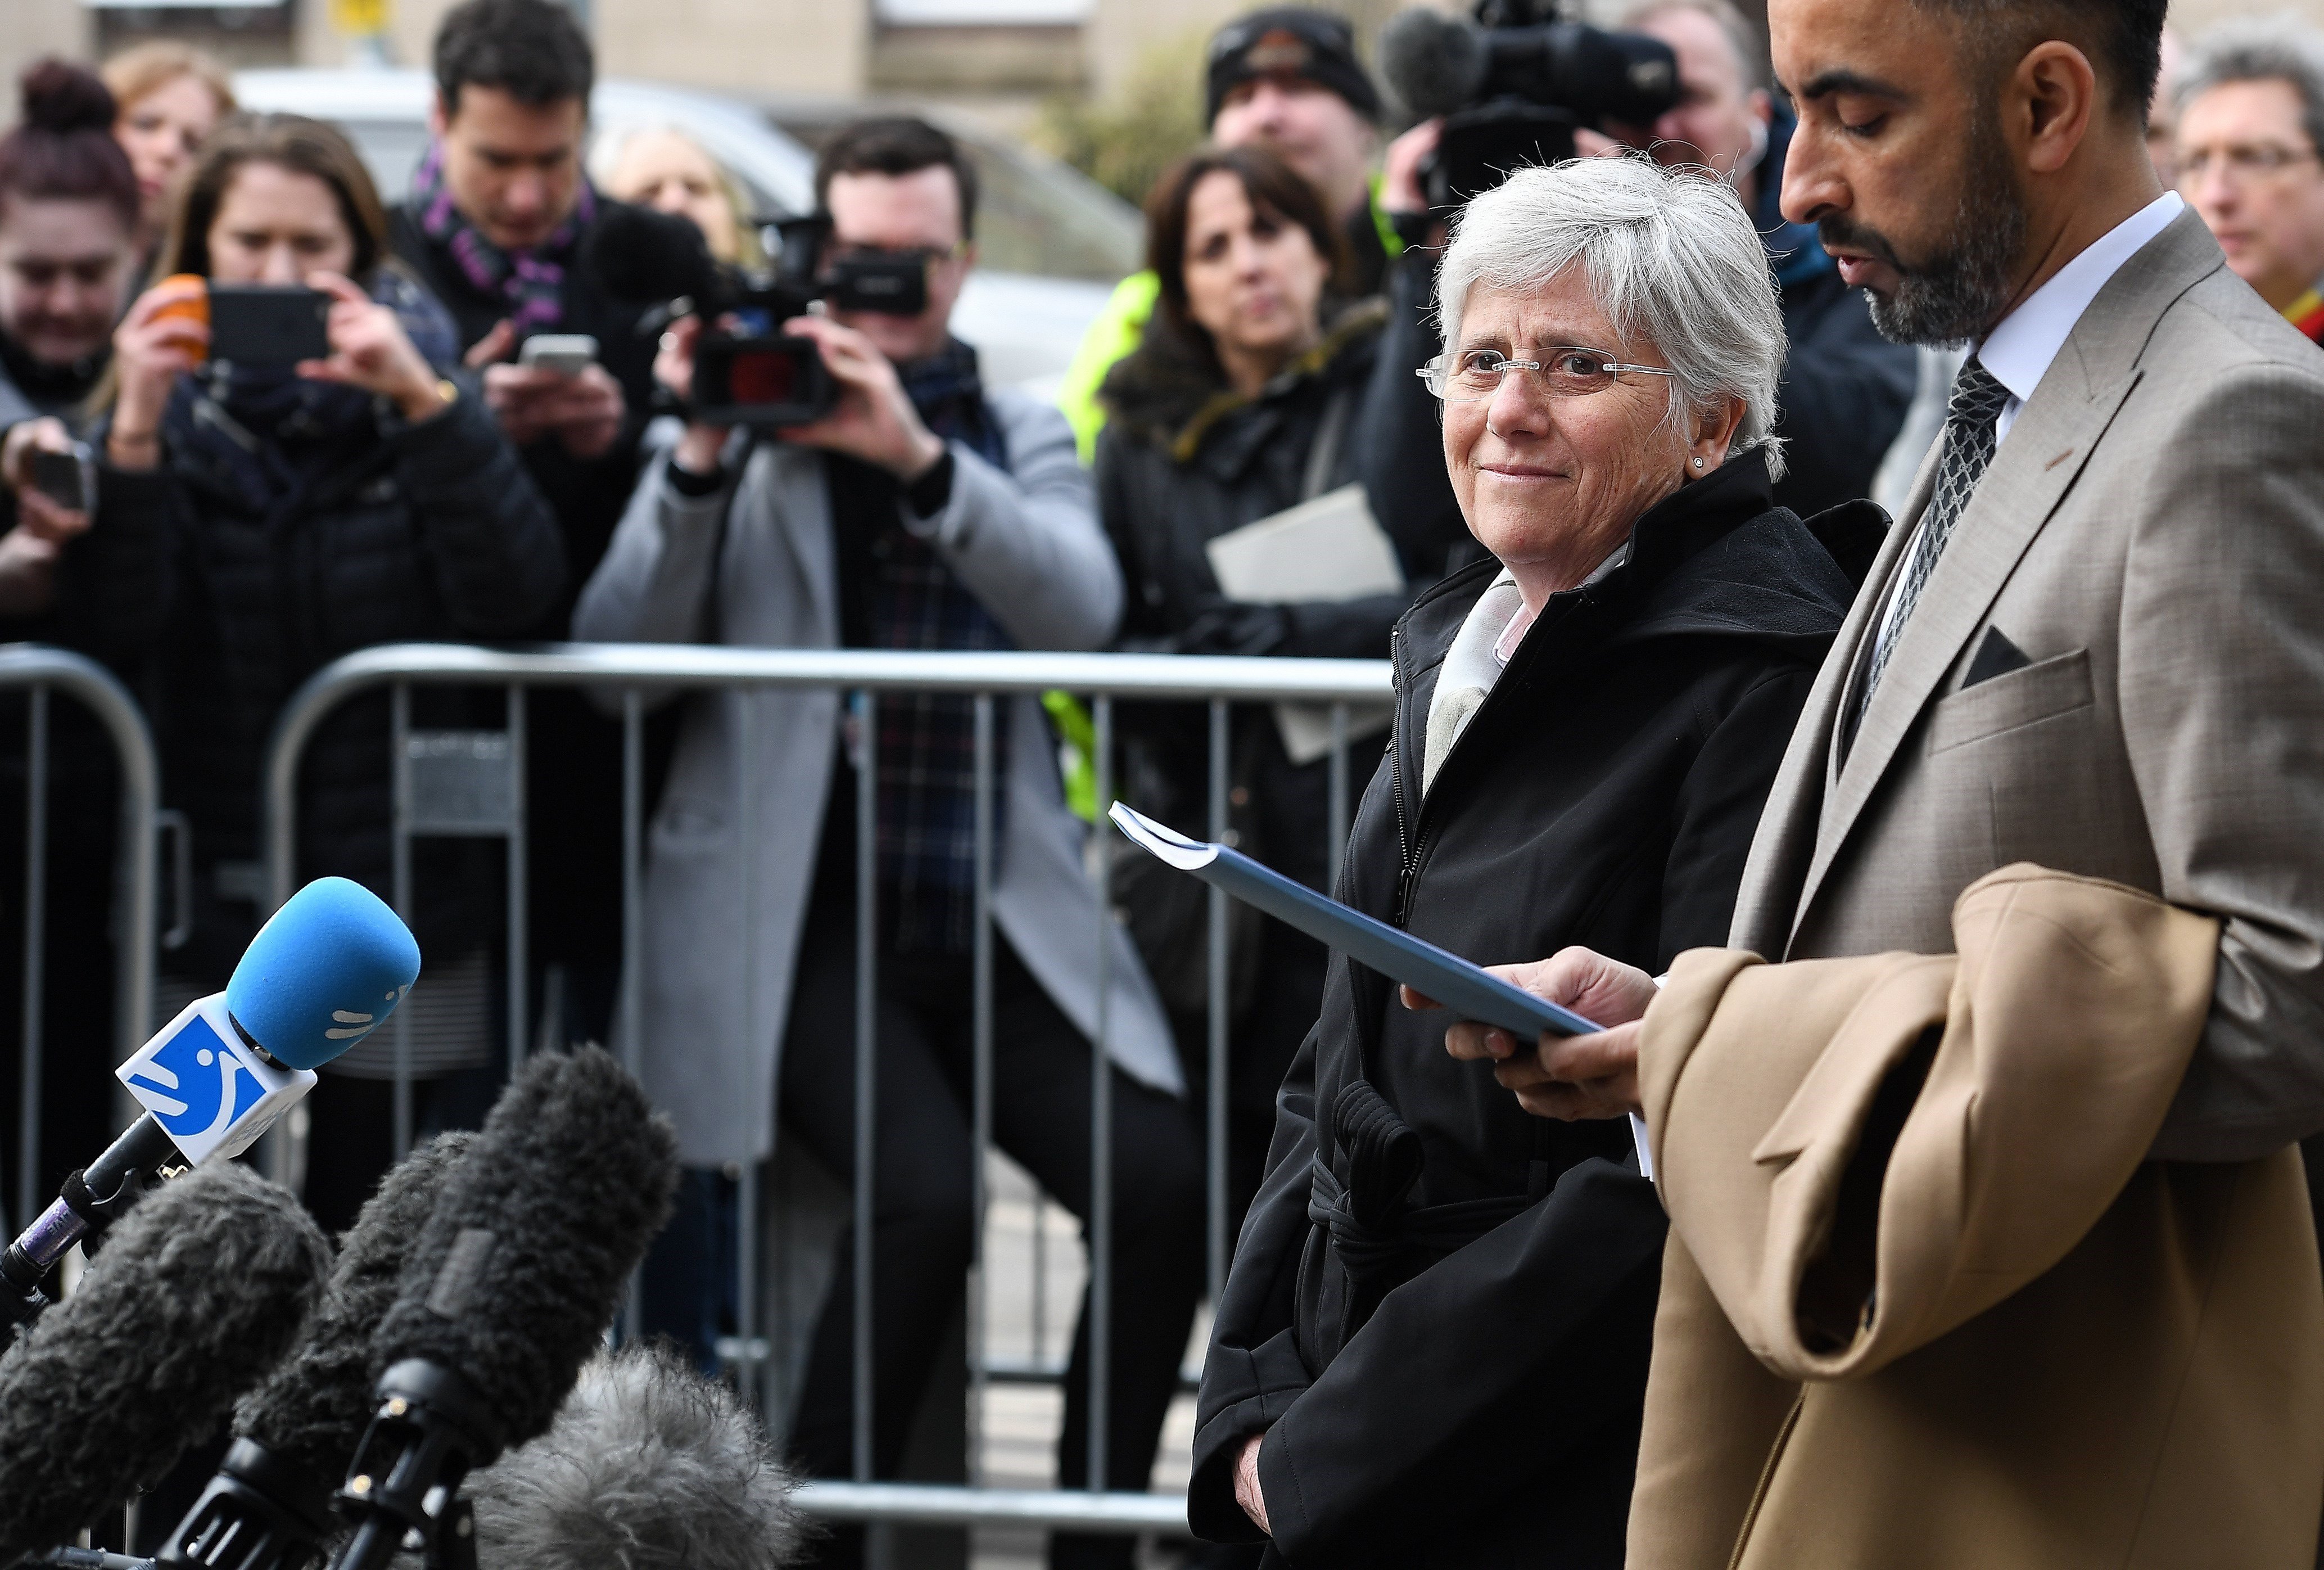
point(312, 1410)
point(1435, 64)
point(648, 1466)
point(519, 1272)
point(199, 1291)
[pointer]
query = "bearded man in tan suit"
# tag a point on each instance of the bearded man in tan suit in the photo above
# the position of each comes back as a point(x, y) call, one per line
point(2095, 638)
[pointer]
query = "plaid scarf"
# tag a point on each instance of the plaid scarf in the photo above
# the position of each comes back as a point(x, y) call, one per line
point(927, 755)
point(532, 281)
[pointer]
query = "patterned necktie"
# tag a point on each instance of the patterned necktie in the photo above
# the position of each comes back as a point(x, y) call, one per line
point(1972, 422)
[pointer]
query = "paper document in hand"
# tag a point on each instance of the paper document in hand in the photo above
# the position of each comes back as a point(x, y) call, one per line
point(1468, 990)
point(1328, 549)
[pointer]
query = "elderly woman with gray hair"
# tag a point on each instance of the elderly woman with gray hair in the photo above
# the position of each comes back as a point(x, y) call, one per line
point(1431, 1347)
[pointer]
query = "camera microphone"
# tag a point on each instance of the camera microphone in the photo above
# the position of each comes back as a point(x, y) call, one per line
point(645, 256)
point(1435, 63)
point(321, 976)
point(269, 1507)
point(201, 1293)
point(507, 1293)
point(650, 1466)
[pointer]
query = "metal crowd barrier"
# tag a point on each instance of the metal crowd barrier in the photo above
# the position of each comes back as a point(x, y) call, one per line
point(472, 783)
point(40, 671)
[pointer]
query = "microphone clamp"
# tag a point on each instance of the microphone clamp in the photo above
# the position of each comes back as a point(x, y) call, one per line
point(259, 1513)
point(431, 1429)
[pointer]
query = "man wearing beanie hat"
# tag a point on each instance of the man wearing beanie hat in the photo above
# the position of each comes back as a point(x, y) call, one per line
point(1286, 79)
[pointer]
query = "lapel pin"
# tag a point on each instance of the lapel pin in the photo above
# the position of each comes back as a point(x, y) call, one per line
point(2062, 458)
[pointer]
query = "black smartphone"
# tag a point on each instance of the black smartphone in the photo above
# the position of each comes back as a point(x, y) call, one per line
point(67, 478)
point(259, 324)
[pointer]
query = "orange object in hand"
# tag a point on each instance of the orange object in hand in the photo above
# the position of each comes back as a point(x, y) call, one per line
point(194, 307)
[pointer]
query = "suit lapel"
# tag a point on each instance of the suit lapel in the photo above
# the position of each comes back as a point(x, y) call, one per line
point(2047, 448)
point(1775, 874)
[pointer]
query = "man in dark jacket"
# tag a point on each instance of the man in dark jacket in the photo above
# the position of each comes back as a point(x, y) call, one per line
point(499, 225)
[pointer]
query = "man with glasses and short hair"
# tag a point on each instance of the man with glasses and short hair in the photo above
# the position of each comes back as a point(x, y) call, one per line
point(2250, 122)
point(926, 510)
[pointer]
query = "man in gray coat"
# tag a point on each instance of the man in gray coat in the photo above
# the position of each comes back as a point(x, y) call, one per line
point(924, 511)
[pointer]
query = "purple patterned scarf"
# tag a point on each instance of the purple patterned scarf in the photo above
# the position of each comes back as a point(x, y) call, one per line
point(531, 281)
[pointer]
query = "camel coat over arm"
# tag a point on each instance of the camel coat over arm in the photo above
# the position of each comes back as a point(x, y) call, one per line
point(1925, 1303)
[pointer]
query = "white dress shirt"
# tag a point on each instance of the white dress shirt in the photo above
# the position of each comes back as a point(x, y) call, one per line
point(2018, 352)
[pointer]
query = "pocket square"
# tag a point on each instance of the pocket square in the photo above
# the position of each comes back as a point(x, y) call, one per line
point(1996, 656)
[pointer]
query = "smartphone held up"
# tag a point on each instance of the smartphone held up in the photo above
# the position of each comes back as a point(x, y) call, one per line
point(258, 324)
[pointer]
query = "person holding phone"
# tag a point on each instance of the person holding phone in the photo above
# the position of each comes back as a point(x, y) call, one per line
point(69, 213)
point(69, 210)
point(308, 507)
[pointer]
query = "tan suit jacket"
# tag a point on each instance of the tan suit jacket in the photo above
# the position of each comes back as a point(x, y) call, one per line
point(1925, 1304)
point(2151, 537)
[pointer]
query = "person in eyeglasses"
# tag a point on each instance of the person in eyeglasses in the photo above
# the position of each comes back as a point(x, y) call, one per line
point(928, 510)
point(1431, 1347)
point(2250, 134)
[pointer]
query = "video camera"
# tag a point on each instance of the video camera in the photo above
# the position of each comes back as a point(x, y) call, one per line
point(746, 370)
point(1514, 85)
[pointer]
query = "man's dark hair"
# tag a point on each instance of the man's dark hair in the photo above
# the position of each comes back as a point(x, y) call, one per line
point(2123, 38)
point(896, 145)
point(531, 49)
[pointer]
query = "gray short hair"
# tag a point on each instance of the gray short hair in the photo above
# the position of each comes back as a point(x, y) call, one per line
point(2279, 48)
point(1669, 255)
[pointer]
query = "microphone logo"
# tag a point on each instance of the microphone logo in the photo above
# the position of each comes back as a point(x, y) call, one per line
point(211, 1095)
point(195, 1083)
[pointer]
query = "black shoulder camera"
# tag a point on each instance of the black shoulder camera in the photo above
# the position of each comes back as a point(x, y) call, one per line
point(746, 370)
point(1514, 84)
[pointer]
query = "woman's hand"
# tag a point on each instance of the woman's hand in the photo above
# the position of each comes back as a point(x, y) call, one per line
point(873, 420)
point(371, 350)
point(1567, 1077)
point(1247, 1494)
point(39, 516)
point(151, 348)
point(699, 449)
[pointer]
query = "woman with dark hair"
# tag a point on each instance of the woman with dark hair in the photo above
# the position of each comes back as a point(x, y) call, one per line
point(68, 248)
point(308, 510)
point(1235, 408)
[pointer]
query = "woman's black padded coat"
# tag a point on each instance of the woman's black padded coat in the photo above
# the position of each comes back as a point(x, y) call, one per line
point(432, 531)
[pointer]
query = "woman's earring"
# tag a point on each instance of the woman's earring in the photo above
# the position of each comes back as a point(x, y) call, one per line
point(1698, 463)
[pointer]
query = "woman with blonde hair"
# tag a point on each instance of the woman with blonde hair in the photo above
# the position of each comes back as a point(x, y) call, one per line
point(662, 168)
point(169, 96)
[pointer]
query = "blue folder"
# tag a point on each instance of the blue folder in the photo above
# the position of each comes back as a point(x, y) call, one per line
point(1468, 990)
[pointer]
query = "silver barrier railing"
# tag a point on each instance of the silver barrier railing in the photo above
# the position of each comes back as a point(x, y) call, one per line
point(472, 783)
point(39, 672)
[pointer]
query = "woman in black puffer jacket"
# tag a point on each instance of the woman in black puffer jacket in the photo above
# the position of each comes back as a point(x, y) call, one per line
point(1237, 406)
point(310, 511)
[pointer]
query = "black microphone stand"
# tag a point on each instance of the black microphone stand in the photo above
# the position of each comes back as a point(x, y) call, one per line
point(404, 1483)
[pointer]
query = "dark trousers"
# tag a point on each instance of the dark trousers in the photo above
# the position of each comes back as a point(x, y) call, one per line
point(922, 1212)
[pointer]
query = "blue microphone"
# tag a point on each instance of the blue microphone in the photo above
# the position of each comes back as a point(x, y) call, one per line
point(323, 973)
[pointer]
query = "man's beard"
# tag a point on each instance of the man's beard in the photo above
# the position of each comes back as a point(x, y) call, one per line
point(1955, 294)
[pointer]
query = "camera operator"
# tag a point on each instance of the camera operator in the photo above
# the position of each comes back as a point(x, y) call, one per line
point(923, 512)
point(1844, 387)
point(1287, 80)
point(498, 224)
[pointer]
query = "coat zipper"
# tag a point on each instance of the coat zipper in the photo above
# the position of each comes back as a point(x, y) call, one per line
point(1404, 878)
